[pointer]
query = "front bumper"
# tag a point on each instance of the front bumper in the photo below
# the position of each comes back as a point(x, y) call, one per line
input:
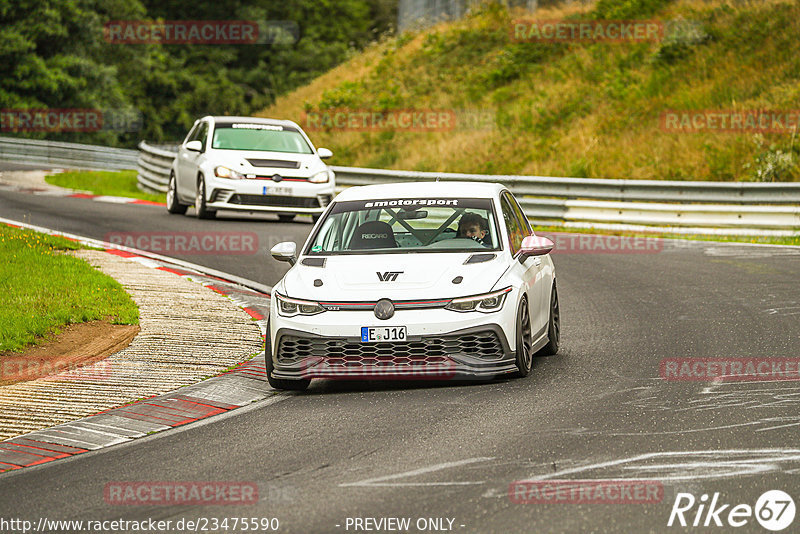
point(253, 195)
point(478, 352)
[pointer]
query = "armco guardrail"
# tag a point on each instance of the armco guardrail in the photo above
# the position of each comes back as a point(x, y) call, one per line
point(762, 207)
point(66, 155)
point(154, 167)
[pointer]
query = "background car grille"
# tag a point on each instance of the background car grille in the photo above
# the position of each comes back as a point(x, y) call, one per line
point(279, 201)
point(429, 350)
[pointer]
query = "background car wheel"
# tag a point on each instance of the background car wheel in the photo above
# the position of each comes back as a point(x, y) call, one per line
point(315, 218)
point(286, 217)
point(524, 341)
point(280, 383)
point(173, 206)
point(553, 326)
point(200, 202)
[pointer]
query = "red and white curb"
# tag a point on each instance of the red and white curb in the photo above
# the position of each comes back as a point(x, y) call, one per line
point(68, 193)
point(244, 384)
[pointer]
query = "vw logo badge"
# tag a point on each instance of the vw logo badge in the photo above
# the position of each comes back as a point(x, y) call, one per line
point(277, 177)
point(384, 309)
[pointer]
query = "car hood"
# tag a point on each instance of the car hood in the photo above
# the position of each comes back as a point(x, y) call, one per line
point(419, 276)
point(269, 163)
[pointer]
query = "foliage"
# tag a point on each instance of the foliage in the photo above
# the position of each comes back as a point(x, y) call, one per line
point(53, 55)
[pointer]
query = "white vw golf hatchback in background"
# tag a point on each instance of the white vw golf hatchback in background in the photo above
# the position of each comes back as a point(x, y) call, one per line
point(251, 164)
point(419, 280)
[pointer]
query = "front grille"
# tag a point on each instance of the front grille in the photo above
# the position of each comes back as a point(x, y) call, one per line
point(274, 201)
point(429, 350)
point(274, 163)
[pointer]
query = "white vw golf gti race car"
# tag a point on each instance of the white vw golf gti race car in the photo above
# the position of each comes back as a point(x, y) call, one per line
point(251, 164)
point(413, 281)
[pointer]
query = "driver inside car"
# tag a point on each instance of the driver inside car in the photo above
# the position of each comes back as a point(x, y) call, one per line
point(473, 226)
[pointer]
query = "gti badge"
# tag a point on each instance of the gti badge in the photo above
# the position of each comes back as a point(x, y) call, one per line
point(388, 276)
point(384, 309)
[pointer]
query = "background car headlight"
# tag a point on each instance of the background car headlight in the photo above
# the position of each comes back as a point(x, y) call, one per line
point(288, 307)
point(320, 177)
point(488, 302)
point(225, 172)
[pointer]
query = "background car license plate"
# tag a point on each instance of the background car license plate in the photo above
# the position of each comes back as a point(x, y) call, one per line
point(277, 190)
point(373, 334)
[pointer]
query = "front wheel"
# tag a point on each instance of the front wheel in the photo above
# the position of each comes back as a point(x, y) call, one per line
point(286, 217)
point(553, 326)
point(200, 202)
point(173, 205)
point(280, 383)
point(524, 340)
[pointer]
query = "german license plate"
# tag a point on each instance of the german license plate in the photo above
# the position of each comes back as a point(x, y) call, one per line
point(373, 334)
point(277, 190)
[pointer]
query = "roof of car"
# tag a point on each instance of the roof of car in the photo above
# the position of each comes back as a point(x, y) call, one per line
point(422, 190)
point(252, 120)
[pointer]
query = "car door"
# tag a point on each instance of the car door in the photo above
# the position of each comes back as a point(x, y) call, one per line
point(189, 161)
point(529, 268)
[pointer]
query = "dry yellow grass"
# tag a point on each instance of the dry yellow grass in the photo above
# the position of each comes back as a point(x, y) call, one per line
point(586, 110)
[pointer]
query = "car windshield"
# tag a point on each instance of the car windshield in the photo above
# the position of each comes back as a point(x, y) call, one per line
point(264, 137)
point(407, 225)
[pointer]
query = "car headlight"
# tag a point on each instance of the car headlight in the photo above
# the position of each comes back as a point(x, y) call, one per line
point(320, 177)
point(486, 303)
point(289, 307)
point(225, 172)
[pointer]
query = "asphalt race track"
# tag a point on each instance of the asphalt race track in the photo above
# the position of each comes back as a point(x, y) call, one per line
point(597, 410)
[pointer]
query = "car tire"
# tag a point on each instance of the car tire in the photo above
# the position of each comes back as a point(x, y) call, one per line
point(315, 218)
point(524, 358)
point(286, 217)
point(200, 202)
point(173, 204)
point(553, 326)
point(280, 383)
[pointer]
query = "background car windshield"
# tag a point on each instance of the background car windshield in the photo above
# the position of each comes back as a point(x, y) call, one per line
point(266, 137)
point(407, 225)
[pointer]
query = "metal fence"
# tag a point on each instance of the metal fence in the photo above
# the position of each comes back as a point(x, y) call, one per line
point(740, 206)
point(68, 155)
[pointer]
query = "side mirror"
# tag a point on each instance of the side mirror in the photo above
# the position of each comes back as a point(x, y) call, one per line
point(535, 245)
point(324, 153)
point(286, 251)
point(194, 146)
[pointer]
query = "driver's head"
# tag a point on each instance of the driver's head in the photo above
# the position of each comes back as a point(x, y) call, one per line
point(472, 225)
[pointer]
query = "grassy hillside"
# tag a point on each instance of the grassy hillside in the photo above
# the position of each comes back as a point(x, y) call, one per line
point(575, 109)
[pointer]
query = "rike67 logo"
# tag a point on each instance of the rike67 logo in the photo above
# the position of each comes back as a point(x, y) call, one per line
point(774, 510)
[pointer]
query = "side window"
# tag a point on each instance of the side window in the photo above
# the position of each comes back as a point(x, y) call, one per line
point(525, 224)
point(515, 232)
point(192, 133)
point(202, 135)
